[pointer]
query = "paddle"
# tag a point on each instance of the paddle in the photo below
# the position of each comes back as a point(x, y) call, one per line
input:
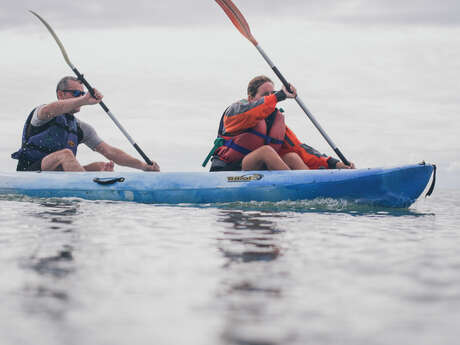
point(90, 89)
point(242, 25)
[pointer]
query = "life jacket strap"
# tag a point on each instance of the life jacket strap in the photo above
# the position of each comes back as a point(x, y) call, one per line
point(217, 143)
point(231, 144)
point(268, 139)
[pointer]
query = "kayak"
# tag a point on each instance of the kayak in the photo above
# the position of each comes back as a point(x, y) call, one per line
point(389, 187)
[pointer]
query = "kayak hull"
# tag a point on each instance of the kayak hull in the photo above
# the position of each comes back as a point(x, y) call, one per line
point(389, 187)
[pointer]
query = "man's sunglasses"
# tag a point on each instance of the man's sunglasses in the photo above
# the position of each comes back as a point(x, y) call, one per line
point(75, 93)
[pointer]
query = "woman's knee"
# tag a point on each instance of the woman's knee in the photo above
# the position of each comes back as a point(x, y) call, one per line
point(267, 149)
point(294, 161)
point(293, 156)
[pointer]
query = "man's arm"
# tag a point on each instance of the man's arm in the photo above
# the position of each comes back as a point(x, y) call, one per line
point(122, 158)
point(63, 106)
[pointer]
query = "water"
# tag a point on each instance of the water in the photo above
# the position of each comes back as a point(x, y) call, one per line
point(82, 272)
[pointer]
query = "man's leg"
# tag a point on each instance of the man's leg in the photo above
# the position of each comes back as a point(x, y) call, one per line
point(294, 161)
point(263, 156)
point(100, 166)
point(64, 159)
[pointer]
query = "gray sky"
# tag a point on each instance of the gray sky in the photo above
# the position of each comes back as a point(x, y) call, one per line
point(106, 13)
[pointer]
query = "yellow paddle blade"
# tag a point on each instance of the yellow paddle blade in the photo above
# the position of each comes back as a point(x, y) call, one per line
point(58, 41)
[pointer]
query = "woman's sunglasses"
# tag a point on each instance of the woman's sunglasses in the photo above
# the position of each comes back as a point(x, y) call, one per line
point(75, 93)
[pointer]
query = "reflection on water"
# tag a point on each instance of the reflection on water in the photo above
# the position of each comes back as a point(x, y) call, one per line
point(58, 266)
point(250, 242)
point(52, 259)
point(57, 211)
point(252, 237)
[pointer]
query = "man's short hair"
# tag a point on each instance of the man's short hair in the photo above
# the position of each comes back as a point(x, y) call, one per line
point(64, 83)
point(255, 83)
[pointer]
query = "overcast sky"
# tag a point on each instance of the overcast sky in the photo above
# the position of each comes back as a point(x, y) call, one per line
point(106, 13)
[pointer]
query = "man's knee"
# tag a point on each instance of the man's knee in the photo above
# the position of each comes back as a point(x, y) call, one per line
point(65, 155)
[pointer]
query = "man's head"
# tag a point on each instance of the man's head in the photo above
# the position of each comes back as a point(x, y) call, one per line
point(259, 87)
point(69, 87)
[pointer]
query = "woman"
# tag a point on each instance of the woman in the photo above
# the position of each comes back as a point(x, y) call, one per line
point(253, 135)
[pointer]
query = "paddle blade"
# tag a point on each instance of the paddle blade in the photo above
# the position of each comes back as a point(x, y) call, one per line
point(237, 19)
point(56, 38)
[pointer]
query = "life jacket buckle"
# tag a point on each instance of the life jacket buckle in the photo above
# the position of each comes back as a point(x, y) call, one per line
point(217, 143)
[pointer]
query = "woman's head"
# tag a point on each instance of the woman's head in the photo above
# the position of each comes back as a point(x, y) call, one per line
point(258, 87)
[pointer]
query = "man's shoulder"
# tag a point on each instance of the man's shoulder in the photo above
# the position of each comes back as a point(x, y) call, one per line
point(34, 120)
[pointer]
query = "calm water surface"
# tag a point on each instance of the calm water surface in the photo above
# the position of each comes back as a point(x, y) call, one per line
point(82, 272)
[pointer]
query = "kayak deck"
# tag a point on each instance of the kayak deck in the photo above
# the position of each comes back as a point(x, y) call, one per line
point(390, 187)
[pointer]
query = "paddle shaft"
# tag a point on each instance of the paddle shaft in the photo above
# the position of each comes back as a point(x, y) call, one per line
point(114, 119)
point(302, 105)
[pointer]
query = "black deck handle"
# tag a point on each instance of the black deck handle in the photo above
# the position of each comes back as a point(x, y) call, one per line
point(108, 180)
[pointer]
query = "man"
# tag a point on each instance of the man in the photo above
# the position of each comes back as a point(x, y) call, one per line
point(253, 136)
point(52, 134)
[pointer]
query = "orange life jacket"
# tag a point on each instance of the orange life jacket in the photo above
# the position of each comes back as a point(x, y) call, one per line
point(269, 131)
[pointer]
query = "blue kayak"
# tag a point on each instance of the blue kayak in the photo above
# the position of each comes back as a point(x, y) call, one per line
point(389, 187)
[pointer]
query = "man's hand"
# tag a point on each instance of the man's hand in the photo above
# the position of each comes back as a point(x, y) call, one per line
point(153, 167)
point(342, 165)
point(292, 94)
point(89, 100)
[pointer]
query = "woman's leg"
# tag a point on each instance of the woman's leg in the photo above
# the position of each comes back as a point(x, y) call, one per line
point(261, 157)
point(294, 161)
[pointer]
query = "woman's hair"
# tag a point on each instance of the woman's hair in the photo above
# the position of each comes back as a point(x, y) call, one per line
point(255, 83)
